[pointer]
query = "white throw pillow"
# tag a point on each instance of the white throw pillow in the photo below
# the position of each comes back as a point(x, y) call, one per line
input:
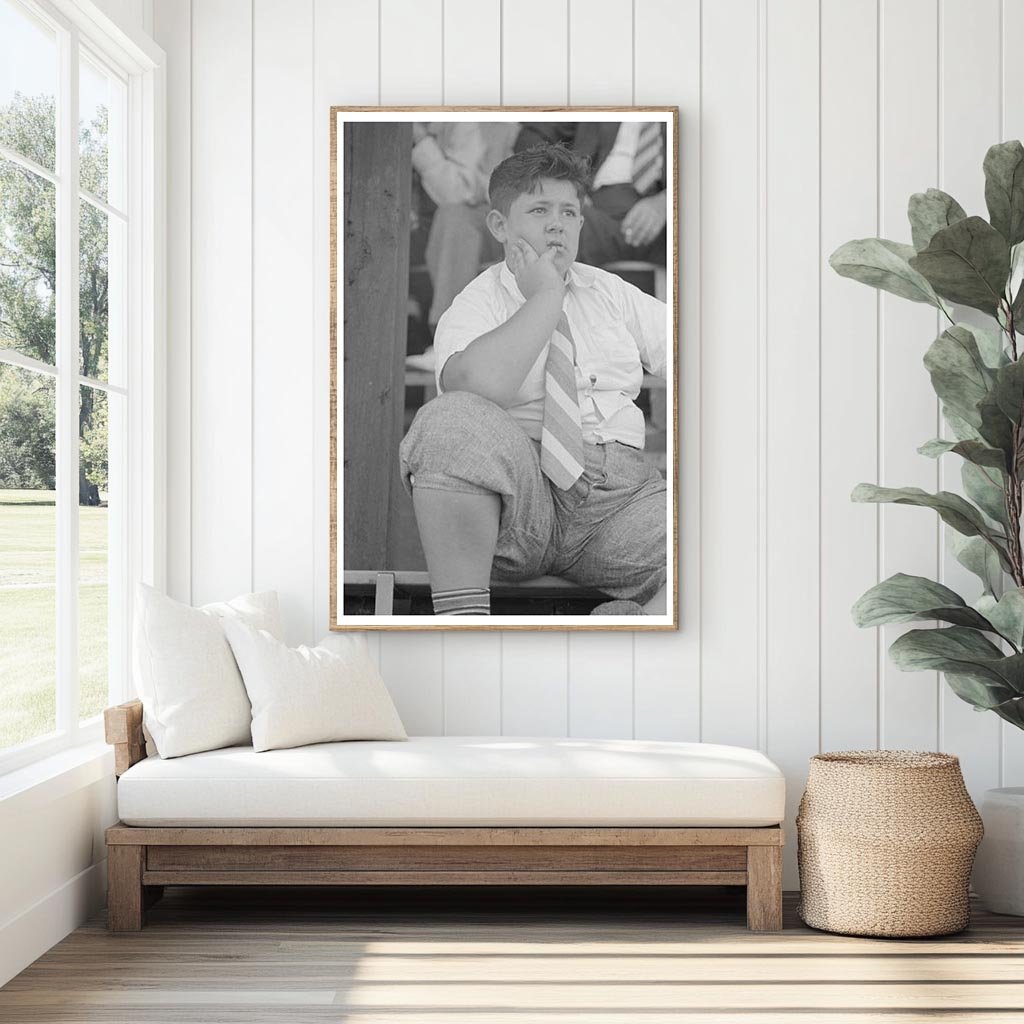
point(309, 694)
point(192, 693)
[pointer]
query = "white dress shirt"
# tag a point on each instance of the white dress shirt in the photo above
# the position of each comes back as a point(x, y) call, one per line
point(617, 166)
point(455, 158)
point(619, 331)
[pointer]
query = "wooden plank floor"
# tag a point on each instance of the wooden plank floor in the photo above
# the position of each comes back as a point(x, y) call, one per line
point(501, 956)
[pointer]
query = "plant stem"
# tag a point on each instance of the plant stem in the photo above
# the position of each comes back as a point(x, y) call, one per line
point(1013, 482)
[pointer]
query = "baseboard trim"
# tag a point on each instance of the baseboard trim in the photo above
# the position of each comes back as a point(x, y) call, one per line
point(26, 937)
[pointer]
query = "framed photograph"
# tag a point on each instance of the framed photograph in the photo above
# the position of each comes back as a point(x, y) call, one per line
point(504, 352)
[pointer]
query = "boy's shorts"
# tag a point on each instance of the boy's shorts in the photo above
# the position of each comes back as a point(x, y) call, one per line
point(607, 531)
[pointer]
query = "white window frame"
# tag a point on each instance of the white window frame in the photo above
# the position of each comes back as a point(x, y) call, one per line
point(141, 64)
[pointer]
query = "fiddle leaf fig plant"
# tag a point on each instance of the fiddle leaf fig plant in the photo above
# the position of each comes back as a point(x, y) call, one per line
point(978, 376)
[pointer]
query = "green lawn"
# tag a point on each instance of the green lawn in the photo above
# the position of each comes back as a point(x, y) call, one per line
point(28, 617)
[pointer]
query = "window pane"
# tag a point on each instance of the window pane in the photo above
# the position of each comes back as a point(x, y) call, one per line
point(28, 85)
point(28, 546)
point(102, 106)
point(101, 284)
point(93, 551)
point(28, 263)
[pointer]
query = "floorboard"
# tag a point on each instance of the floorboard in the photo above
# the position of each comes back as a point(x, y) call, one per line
point(503, 956)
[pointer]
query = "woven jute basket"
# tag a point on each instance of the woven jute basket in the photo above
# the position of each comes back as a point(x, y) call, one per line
point(885, 843)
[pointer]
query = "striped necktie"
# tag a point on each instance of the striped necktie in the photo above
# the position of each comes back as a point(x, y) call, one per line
point(561, 444)
point(649, 161)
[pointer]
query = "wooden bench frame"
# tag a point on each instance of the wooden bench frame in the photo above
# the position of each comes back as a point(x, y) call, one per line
point(142, 860)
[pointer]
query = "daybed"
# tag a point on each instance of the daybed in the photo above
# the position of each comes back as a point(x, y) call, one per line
point(444, 811)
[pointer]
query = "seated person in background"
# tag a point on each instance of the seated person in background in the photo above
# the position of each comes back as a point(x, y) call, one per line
point(454, 160)
point(627, 215)
point(529, 462)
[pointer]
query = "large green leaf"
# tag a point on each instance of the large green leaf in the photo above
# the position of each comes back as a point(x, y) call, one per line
point(929, 212)
point(1017, 308)
point(1006, 614)
point(962, 430)
point(976, 555)
point(959, 374)
point(967, 263)
point(964, 652)
point(954, 510)
point(990, 345)
point(903, 598)
point(883, 264)
point(983, 694)
point(1009, 390)
point(1012, 710)
point(996, 427)
point(985, 487)
point(1004, 189)
point(976, 452)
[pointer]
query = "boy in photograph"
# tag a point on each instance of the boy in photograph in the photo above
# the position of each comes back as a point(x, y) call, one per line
point(530, 460)
point(626, 212)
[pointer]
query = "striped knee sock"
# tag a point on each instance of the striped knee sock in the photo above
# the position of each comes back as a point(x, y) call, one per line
point(468, 601)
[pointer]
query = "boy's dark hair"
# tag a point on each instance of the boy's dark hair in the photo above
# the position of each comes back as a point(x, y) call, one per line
point(520, 173)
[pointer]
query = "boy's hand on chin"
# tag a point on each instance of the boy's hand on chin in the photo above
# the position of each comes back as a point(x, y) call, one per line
point(534, 273)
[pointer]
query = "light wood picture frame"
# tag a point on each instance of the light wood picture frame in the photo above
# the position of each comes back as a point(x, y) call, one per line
point(407, 184)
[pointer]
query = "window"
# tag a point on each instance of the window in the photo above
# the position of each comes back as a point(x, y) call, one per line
point(77, 251)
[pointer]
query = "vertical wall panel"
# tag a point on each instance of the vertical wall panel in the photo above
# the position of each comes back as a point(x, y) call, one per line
point(344, 53)
point(221, 377)
point(411, 73)
point(413, 672)
point(793, 419)
point(968, 125)
point(1012, 115)
point(410, 51)
point(849, 373)
point(666, 666)
point(909, 140)
point(283, 308)
point(472, 52)
point(601, 684)
point(472, 661)
point(600, 52)
point(535, 70)
point(173, 30)
point(729, 358)
point(534, 56)
point(472, 684)
point(601, 72)
point(534, 692)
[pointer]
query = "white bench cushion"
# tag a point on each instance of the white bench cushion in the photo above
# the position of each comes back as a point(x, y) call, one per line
point(459, 780)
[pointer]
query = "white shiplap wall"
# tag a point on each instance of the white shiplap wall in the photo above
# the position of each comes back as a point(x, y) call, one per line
point(804, 123)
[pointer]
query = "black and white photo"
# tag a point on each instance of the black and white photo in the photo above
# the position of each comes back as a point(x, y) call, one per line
point(503, 359)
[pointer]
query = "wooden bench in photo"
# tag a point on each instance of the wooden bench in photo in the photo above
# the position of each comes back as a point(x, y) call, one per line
point(143, 858)
point(385, 583)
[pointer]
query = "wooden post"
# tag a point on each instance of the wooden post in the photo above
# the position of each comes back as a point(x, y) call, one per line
point(373, 293)
point(384, 596)
point(123, 730)
point(764, 888)
point(124, 888)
